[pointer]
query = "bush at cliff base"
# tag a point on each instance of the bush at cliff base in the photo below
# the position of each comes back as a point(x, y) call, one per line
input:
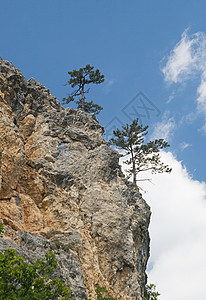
point(21, 280)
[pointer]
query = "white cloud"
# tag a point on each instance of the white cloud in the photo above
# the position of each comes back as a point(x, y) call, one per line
point(186, 60)
point(182, 60)
point(177, 230)
point(164, 129)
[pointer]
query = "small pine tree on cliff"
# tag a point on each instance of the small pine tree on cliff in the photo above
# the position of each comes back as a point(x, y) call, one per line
point(79, 79)
point(143, 157)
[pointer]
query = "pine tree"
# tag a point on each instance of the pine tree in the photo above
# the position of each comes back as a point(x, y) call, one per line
point(143, 157)
point(79, 79)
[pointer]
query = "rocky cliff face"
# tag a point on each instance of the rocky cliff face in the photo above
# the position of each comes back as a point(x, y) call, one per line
point(61, 188)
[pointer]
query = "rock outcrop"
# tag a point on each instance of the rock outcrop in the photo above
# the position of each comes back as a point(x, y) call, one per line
point(61, 188)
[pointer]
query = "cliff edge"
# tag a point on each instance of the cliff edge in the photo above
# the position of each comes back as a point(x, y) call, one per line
point(62, 189)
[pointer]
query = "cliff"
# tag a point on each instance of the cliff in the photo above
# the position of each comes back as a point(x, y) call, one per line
point(61, 188)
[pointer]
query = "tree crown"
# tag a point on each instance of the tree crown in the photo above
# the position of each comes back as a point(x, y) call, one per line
point(84, 76)
point(79, 79)
point(143, 157)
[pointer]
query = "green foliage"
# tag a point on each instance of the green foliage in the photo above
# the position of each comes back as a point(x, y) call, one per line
point(1, 228)
point(78, 80)
point(89, 107)
point(99, 291)
point(152, 294)
point(143, 157)
point(23, 281)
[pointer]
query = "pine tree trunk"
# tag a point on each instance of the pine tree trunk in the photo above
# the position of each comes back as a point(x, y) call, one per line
point(82, 93)
point(134, 169)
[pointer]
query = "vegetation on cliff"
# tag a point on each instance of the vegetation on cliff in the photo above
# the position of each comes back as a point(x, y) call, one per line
point(152, 294)
point(79, 79)
point(143, 157)
point(24, 281)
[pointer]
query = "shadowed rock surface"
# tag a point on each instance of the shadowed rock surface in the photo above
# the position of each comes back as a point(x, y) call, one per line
point(61, 184)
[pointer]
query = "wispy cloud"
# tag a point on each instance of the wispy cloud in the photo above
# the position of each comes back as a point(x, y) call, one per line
point(187, 57)
point(108, 85)
point(171, 97)
point(201, 100)
point(184, 145)
point(164, 129)
point(189, 118)
point(203, 129)
point(186, 60)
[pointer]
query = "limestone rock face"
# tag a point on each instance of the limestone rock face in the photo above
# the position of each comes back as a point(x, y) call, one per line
point(33, 247)
point(61, 186)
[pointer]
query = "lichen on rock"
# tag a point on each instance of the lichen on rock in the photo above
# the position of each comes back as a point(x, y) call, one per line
point(61, 184)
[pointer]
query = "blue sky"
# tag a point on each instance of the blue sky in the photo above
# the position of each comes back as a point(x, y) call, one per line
point(127, 42)
point(154, 47)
